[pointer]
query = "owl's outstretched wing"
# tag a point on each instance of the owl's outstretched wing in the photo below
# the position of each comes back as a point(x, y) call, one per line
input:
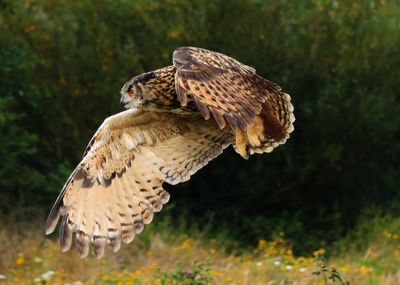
point(256, 108)
point(117, 186)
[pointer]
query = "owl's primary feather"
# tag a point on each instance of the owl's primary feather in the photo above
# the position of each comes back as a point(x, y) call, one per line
point(178, 119)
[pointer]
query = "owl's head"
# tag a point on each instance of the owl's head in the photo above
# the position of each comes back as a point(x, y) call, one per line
point(133, 93)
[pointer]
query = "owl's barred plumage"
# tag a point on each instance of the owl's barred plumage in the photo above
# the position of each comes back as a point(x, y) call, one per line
point(178, 118)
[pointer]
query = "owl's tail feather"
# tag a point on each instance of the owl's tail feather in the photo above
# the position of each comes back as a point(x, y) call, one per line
point(269, 129)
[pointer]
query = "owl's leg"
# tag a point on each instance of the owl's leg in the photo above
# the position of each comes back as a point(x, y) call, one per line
point(268, 129)
point(242, 142)
point(255, 132)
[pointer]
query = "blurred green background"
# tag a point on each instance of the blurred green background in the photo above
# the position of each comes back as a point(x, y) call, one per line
point(62, 64)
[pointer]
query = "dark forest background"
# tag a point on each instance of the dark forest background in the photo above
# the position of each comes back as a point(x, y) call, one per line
point(62, 64)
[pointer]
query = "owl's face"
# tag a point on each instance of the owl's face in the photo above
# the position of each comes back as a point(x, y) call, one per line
point(131, 95)
point(137, 91)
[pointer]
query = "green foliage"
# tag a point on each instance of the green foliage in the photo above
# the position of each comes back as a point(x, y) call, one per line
point(63, 62)
point(198, 275)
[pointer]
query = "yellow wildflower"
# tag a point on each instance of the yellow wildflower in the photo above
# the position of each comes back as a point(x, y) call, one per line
point(261, 243)
point(364, 270)
point(136, 273)
point(186, 244)
point(37, 259)
point(20, 260)
point(228, 278)
point(387, 234)
point(216, 273)
point(319, 252)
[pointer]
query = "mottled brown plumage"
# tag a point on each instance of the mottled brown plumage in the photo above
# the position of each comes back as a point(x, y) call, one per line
point(178, 119)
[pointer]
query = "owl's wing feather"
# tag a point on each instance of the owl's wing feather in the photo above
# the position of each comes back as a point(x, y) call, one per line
point(221, 85)
point(117, 186)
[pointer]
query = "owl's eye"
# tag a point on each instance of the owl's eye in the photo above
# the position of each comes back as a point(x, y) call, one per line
point(132, 92)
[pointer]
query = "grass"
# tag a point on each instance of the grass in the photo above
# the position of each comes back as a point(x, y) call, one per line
point(166, 253)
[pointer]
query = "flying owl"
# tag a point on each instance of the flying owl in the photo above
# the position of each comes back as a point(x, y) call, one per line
point(178, 118)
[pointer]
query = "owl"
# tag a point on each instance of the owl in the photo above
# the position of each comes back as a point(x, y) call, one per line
point(177, 119)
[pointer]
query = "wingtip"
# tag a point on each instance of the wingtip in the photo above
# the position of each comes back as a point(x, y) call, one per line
point(52, 222)
point(99, 244)
point(64, 249)
point(82, 244)
point(49, 231)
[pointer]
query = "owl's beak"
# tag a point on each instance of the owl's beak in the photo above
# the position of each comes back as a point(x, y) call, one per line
point(122, 102)
point(124, 99)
